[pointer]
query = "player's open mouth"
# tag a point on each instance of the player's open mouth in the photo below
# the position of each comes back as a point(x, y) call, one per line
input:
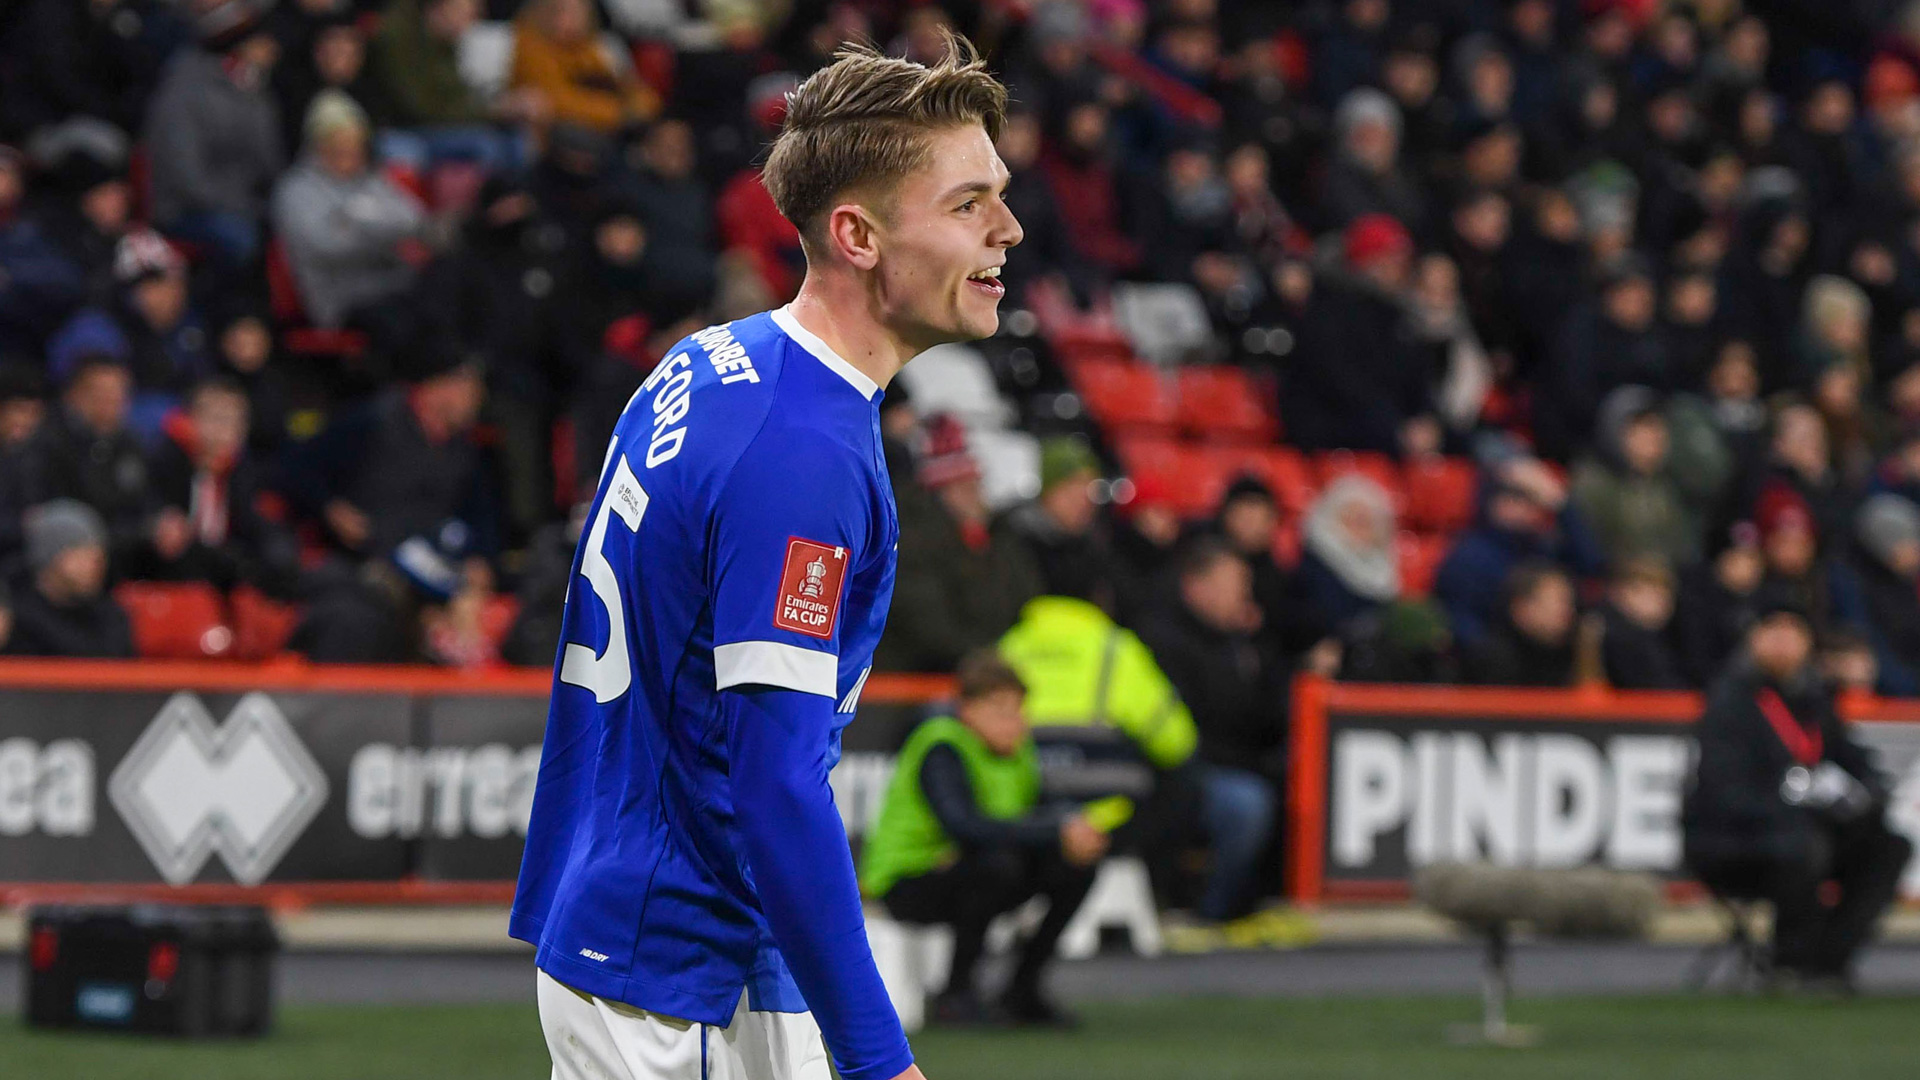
point(988, 281)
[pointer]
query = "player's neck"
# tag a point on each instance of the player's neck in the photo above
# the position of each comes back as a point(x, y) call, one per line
point(850, 328)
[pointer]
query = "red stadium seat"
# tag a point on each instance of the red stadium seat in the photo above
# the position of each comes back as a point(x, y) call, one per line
point(1377, 467)
point(1440, 494)
point(1420, 558)
point(1222, 402)
point(1292, 479)
point(262, 625)
point(176, 620)
point(1126, 397)
point(283, 299)
point(1189, 474)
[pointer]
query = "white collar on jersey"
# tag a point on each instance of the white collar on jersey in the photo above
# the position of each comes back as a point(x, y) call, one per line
point(783, 318)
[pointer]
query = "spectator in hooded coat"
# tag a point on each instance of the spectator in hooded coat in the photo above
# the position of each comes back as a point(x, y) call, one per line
point(1350, 567)
point(1625, 488)
point(1525, 516)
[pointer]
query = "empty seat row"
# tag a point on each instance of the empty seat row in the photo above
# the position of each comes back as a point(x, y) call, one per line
point(1434, 496)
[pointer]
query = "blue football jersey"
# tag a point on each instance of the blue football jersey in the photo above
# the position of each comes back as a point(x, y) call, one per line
point(742, 533)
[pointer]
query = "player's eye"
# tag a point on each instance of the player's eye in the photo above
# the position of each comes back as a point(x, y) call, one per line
point(969, 205)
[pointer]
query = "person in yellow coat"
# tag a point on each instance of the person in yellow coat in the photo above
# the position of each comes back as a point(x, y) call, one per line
point(1094, 688)
point(557, 51)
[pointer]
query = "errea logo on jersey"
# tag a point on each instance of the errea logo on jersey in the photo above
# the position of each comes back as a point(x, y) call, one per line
point(810, 588)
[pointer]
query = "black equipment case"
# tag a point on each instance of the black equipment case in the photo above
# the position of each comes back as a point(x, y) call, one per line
point(167, 969)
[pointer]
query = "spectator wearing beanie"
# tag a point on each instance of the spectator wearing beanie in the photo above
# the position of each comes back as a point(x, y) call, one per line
point(213, 134)
point(1061, 525)
point(61, 608)
point(1359, 380)
point(167, 347)
point(963, 574)
point(343, 223)
point(1801, 568)
point(1366, 175)
point(1887, 531)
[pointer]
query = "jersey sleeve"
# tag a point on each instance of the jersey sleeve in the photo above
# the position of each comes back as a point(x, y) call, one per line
point(788, 529)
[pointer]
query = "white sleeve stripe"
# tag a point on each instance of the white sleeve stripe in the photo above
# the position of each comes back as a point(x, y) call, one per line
point(774, 663)
point(852, 699)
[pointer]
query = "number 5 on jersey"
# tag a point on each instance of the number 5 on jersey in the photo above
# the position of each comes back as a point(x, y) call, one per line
point(610, 673)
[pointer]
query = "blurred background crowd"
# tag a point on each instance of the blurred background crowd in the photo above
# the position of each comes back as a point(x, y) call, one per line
point(1499, 341)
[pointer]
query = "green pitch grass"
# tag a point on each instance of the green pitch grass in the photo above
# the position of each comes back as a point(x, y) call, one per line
point(1227, 1039)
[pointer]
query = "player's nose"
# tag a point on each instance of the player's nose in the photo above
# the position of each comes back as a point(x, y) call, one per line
point(1007, 231)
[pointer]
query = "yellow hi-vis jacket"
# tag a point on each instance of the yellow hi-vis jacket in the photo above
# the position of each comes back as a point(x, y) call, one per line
point(1081, 667)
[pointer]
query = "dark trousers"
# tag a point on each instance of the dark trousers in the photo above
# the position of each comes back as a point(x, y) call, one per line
point(1788, 867)
point(985, 883)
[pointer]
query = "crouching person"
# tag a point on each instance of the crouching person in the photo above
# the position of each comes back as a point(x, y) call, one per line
point(961, 838)
point(1784, 800)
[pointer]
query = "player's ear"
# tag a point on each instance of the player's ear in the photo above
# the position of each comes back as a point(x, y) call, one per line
point(853, 234)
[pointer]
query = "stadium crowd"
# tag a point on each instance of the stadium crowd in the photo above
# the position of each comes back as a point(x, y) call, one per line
point(332, 303)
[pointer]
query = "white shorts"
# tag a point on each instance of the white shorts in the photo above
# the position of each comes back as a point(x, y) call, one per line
point(591, 1038)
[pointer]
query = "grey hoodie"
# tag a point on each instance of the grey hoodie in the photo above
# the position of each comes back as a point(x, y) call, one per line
point(342, 237)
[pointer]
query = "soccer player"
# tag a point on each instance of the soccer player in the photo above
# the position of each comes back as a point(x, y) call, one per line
point(687, 878)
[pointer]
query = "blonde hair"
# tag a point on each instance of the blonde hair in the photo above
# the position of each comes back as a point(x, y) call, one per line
point(864, 119)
